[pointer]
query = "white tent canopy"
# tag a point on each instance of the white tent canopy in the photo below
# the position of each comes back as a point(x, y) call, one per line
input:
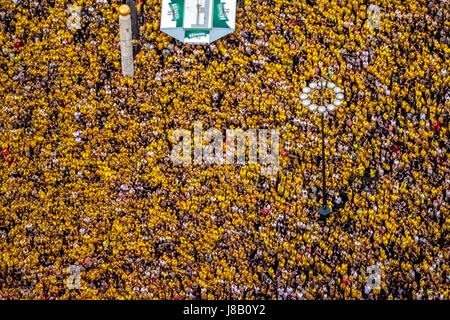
point(198, 21)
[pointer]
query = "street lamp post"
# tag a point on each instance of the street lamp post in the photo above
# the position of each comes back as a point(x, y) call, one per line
point(323, 109)
point(325, 209)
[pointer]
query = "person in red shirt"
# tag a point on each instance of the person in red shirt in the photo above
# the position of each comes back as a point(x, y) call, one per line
point(436, 125)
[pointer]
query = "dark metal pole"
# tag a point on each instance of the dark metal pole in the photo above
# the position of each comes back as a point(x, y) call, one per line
point(324, 211)
point(324, 188)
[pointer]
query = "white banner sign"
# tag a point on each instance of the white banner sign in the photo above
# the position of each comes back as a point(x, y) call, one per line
point(198, 21)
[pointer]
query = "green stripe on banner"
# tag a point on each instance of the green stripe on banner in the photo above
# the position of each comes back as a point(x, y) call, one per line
point(189, 34)
point(220, 17)
point(177, 7)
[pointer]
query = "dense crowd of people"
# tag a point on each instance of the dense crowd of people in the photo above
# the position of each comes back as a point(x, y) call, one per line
point(86, 179)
